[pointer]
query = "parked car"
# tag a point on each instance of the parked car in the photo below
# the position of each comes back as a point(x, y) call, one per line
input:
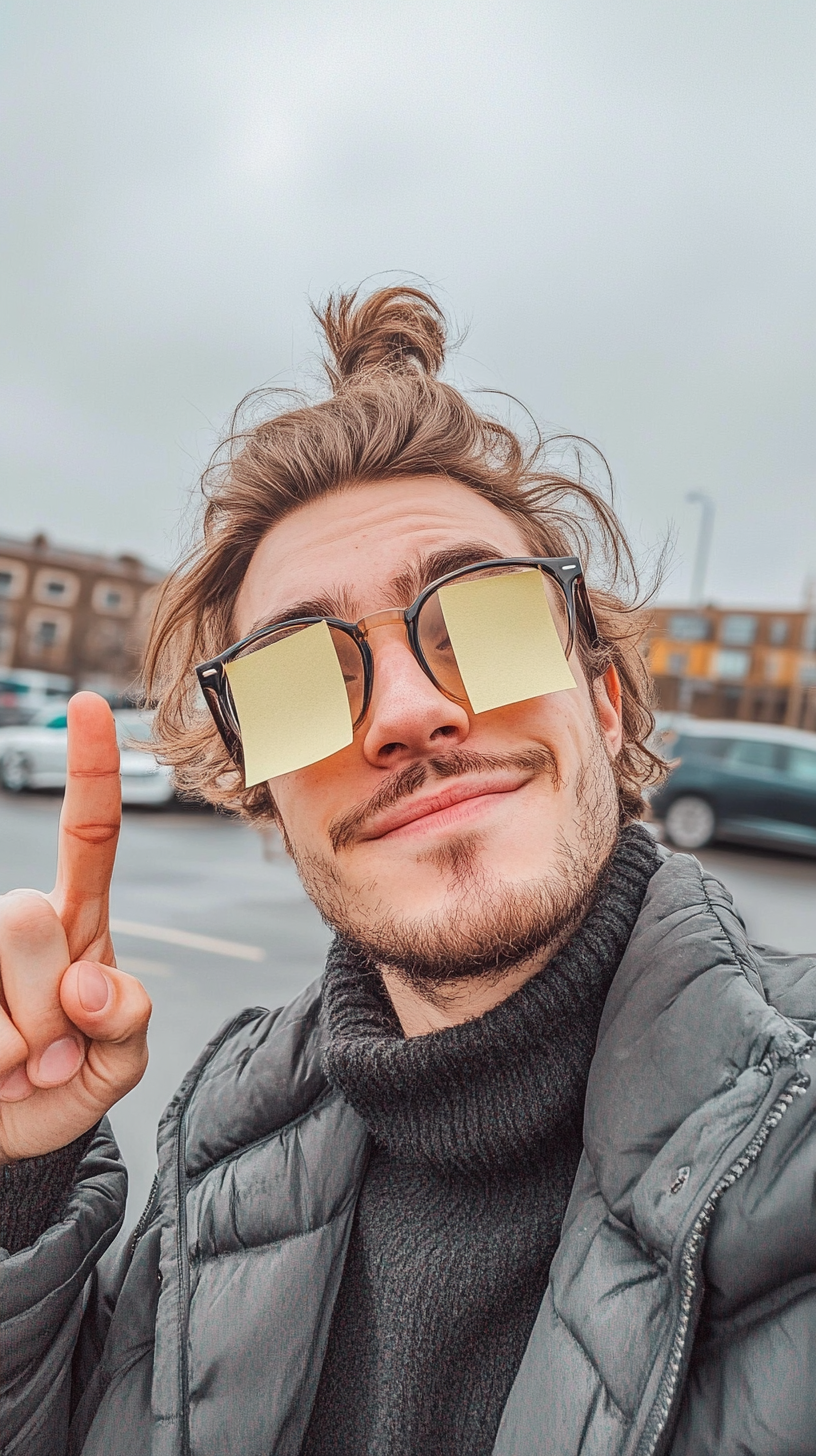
point(740, 781)
point(24, 694)
point(34, 756)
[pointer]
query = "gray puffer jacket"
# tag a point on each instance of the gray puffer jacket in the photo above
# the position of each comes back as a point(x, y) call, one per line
point(681, 1311)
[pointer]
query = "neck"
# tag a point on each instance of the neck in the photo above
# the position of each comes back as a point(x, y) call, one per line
point(422, 1007)
point(421, 1011)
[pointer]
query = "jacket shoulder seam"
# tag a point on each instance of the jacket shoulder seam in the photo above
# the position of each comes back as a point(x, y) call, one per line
point(196, 1072)
point(743, 962)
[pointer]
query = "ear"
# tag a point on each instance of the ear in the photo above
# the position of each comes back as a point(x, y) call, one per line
point(609, 709)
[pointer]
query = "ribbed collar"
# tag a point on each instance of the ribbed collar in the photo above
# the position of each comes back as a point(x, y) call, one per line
point(495, 1093)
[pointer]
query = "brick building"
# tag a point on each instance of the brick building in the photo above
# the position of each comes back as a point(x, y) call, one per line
point(73, 614)
point(719, 662)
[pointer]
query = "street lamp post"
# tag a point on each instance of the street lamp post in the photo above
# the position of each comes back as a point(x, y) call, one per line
point(696, 497)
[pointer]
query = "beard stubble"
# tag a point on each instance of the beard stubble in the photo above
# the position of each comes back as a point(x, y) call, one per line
point(487, 926)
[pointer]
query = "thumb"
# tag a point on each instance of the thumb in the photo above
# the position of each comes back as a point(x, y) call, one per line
point(113, 1010)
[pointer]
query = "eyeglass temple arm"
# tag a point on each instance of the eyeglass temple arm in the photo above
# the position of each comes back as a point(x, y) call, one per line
point(212, 680)
point(585, 613)
point(571, 574)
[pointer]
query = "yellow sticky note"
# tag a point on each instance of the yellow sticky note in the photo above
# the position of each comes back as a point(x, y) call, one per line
point(292, 704)
point(504, 639)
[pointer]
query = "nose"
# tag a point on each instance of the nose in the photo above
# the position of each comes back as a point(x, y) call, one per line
point(408, 717)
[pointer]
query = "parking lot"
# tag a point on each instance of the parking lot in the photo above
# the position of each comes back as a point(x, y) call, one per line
point(212, 925)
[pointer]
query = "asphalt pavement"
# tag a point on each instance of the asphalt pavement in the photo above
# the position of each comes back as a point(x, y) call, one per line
point(212, 920)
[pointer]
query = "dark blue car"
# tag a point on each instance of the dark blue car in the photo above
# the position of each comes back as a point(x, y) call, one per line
point(739, 781)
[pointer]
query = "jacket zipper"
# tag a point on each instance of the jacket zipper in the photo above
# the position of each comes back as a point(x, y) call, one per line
point(691, 1261)
point(146, 1215)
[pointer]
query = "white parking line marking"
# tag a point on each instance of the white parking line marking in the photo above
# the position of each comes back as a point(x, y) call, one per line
point(189, 938)
point(138, 966)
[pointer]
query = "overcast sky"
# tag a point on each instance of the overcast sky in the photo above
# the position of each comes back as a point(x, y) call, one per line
point(615, 196)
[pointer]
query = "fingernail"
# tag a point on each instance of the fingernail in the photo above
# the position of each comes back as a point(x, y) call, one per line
point(15, 1086)
point(59, 1061)
point(93, 987)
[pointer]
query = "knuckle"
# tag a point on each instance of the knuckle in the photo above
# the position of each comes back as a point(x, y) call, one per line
point(14, 1049)
point(137, 1068)
point(27, 915)
point(140, 1006)
point(22, 908)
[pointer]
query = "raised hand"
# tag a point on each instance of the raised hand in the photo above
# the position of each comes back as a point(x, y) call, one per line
point(73, 1028)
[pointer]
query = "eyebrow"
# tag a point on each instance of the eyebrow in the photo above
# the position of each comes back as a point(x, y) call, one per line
point(429, 567)
point(404, 588)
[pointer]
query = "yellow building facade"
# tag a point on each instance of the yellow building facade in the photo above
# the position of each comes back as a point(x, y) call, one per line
point(748, 663)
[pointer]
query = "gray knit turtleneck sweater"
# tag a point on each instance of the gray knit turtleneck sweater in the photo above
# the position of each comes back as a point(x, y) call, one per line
point(476, 1139)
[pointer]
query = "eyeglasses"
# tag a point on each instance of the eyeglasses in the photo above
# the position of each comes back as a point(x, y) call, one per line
point(496, 632)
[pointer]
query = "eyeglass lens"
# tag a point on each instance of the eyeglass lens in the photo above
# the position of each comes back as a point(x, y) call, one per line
point(490, 638)
point(493, 638)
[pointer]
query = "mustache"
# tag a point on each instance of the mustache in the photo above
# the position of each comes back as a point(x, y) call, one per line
point(346, 828)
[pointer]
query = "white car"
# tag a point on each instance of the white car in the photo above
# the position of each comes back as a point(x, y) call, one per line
point(34, 756)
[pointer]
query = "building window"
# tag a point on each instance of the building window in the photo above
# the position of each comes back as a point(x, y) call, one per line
point(47, 632)
point(731, 666)
point(809, 634)
point(678, 662)
point(689, 627)
point(113, 598)
point(59, 587)
point(738, 631)
point(778, 631)
point(13, 578)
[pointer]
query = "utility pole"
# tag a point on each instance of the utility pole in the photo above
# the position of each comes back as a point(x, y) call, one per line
point(706, 531)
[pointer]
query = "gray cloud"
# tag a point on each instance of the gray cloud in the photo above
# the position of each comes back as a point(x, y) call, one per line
point(618, 200)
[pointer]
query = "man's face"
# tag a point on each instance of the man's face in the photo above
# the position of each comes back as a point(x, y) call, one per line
point(439, 837)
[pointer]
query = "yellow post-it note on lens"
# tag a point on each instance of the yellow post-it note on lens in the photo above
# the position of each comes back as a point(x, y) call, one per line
point(291, 702)
point(504, 639)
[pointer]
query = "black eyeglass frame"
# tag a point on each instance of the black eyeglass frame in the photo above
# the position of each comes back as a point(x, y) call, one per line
point(566, 571)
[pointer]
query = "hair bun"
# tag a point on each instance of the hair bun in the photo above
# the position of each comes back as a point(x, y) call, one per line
point(397, 329)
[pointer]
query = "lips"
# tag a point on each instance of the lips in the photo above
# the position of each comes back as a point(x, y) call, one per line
point(427, 805)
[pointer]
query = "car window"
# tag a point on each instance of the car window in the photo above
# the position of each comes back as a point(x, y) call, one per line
point(701, 747)
point(755, 754)
point(802, 766)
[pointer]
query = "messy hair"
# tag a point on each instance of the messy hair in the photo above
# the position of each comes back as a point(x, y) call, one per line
point(387, 415)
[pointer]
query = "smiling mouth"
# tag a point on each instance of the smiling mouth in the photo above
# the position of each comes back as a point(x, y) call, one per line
point(450, 806)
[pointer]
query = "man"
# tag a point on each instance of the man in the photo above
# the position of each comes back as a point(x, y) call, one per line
point(531, 1168)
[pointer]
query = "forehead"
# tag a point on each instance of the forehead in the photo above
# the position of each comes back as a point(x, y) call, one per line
point(353, 545)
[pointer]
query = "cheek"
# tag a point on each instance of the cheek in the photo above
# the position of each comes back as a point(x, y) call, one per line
point(564, 722)
point(309, 799)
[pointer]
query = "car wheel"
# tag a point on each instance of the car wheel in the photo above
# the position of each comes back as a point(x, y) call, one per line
point(690, 822)
point(15, 772)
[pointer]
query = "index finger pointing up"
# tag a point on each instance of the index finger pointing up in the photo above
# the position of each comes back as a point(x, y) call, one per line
point(89, 828)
